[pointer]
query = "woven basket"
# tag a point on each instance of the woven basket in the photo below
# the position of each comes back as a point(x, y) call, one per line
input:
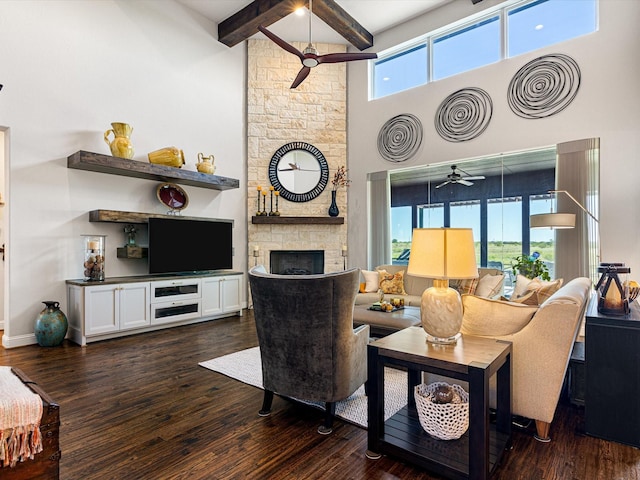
point(446, 421)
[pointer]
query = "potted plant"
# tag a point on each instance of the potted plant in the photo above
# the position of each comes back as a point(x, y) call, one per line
point(530, 266)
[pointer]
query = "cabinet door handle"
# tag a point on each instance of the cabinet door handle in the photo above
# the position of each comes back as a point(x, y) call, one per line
point(177, 303)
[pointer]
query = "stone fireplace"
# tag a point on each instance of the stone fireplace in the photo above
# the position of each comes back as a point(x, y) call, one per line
point(314, 113)
point(297, 262)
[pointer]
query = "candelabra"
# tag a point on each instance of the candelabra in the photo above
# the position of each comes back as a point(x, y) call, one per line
point(344, 257)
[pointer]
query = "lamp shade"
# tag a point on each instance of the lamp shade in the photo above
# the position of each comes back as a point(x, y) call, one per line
point(443, 253)
point(553, 220)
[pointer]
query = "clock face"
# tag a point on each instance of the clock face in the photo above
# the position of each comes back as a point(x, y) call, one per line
point(298, 171)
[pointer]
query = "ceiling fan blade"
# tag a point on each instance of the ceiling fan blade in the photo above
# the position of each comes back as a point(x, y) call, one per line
point(281, 43)
point(463, 181)
point(302, 74)
point(345, 57)
point(443, 184)
point(467, 175)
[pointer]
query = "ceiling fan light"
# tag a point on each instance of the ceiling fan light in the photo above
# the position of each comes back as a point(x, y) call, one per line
point(310, 62)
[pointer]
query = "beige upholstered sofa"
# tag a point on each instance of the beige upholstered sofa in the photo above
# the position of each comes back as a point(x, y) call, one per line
point(542, 338)
point(414, 286)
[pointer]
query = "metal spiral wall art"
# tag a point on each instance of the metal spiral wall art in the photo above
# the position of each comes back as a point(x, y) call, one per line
point(464, 115)
point(400, 138)
point(544, 86)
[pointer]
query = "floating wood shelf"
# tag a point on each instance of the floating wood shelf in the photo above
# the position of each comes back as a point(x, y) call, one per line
point(96, 162)
point(115, 216)
point(297, 220)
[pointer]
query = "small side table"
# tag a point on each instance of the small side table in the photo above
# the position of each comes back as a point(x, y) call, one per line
point(472, 359)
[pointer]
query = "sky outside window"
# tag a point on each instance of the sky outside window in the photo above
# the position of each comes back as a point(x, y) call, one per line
point(547, 22)
point(472, 47)
point(400, 72)
point(529, 27)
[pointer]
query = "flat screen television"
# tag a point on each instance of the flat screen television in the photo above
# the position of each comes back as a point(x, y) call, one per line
point(185, 245)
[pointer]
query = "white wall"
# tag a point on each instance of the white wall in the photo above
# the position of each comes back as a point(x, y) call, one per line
point(607, 106)
point(69, 69)
point(3, 226)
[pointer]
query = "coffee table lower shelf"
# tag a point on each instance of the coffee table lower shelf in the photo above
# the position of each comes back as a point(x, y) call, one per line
point(405, 438)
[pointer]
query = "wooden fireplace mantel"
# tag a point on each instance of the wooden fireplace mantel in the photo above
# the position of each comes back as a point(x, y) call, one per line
point(283, 220)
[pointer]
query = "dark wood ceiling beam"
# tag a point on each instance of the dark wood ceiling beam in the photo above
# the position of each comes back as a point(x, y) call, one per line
point(337, 18)
point(244, 24)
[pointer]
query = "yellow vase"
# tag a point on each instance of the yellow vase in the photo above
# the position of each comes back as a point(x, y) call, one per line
point(120, 145)
point(205, 164)
point(169, 156)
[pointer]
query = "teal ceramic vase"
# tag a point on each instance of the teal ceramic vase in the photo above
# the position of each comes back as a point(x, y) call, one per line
point(51, 325)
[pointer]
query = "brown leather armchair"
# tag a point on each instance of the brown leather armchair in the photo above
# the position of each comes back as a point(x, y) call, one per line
point(308, 346)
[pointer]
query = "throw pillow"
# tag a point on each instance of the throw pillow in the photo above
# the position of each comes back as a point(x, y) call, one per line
point(529, 298)
point(392, 283)
point(489, 317)
point(522, 283)
point(489, 286)
point(544, 289)
point(464, 287)
point(372, 281)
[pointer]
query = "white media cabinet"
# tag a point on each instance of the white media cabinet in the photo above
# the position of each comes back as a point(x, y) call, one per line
point(122, 306)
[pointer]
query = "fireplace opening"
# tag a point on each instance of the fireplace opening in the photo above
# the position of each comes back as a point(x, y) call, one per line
point(297, 262)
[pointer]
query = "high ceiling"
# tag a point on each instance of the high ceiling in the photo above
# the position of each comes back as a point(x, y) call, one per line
point(374, 15)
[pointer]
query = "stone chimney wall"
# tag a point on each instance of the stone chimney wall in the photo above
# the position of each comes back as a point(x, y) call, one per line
point(316, 113)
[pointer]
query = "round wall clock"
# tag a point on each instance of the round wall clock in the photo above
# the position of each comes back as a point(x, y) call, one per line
point(298, 171)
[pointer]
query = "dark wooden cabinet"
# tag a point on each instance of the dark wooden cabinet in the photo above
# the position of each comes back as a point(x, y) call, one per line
point(612, 360)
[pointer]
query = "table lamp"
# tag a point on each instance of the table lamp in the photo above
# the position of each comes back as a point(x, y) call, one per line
point(441, 254)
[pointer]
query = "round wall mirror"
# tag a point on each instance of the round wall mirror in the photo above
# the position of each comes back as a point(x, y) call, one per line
point(298, 171)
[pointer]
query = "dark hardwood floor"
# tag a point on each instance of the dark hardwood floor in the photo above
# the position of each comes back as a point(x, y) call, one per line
point(140, 407)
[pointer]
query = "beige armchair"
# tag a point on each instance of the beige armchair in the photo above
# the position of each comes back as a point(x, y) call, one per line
point(308, 346)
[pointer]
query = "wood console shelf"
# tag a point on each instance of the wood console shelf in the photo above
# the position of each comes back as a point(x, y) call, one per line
point(95, 162)
point(266, 219)
point(116, 216)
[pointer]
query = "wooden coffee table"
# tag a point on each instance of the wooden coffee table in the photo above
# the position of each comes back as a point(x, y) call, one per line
point(472, 359)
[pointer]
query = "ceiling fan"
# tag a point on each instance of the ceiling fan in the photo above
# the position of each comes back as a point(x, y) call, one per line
point(309, 57)
point(455, 177)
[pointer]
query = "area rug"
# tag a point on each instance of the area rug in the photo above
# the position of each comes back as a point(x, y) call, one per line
point(246, 367)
